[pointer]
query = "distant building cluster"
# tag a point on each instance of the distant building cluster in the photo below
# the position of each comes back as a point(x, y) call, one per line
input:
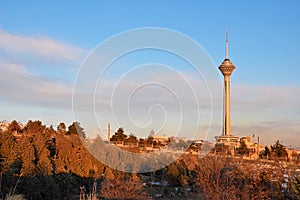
point(246, 147)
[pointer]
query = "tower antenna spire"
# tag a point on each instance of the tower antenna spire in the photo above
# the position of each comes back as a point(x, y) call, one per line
point(226, 52)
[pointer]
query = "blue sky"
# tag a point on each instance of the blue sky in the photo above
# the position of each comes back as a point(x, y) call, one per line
point(43, 44)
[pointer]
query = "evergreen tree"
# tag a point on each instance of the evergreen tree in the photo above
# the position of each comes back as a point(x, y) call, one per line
point(278, 150)
point(61, 128)
point(76, 129)
point(119, 136)
point(8, 146)
point(33, 127)
point(14, 127)
point(243, 149)
point(132, 139)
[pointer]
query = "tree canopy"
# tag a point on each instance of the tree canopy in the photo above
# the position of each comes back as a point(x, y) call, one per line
point(278, 149)
point(75, 129)
point(119, 136)
point(243, 149)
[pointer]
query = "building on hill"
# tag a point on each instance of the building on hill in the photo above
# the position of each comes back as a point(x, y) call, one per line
point(247, 140)
point(293, 155)
point(177, 139)
point(161, 139)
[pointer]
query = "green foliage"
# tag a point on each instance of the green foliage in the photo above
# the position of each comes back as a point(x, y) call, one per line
point(131, 140)
point(31, 157)
point(265, 153)
point(243, 149)
point(28, 155)
point(33, 127)
point(150, 140)
point(14, 127)
point(142, 142)
point(61, 128)
point(75, 129)
point(7, 148)
point(57, 186)
point(278, 150)
point(119, 136)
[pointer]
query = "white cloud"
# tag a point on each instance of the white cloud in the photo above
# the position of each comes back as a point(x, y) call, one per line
point(265, 103)
point(19, 55)
point(25, 49)
point(266, 96)
point(17, 84)
point(272, 112)
point(29, 85)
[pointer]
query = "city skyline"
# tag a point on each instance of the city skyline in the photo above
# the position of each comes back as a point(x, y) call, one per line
point(43, 46)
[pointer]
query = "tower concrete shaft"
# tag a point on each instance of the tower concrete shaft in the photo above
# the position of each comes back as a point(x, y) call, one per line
point(226, 106)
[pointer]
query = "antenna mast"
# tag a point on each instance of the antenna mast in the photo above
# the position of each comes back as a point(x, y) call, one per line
point(226, 53)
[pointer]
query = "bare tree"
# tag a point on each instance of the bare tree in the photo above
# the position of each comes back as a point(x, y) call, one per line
point(227, 178)
point(120, 185)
